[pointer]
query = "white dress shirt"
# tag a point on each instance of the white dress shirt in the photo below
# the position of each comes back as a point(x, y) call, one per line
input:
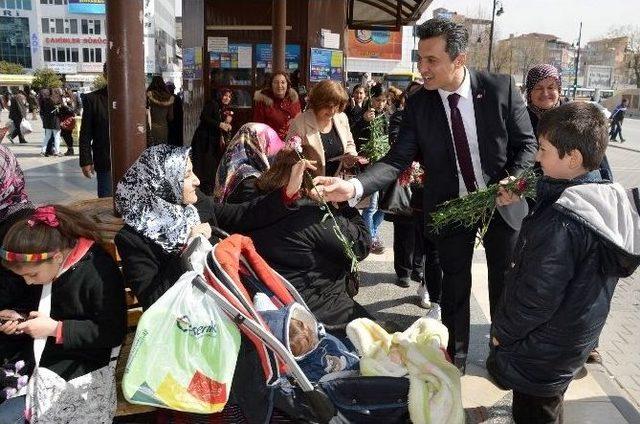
point(465, 104)
point(467, 110)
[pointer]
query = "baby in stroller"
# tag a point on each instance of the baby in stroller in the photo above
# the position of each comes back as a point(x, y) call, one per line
point(321, 356)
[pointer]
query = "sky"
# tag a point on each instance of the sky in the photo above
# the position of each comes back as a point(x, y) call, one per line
point(558, 17)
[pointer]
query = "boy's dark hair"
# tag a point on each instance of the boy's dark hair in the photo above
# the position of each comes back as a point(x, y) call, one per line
point(455, 35)
point(576, 125)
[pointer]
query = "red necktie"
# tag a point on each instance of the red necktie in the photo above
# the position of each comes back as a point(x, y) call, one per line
point(461, 143)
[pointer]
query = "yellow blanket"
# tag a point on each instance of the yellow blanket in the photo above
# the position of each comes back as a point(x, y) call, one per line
point(434, 390)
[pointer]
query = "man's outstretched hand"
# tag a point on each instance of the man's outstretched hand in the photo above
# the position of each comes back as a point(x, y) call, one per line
point(334, 189)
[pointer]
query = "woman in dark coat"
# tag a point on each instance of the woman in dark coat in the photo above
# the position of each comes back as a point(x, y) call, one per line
point(51, 121)
point(208, 141)
point(306, 251)
point(162, 208)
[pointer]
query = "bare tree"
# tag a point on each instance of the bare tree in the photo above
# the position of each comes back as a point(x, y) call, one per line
point(527, 54)
point(502, 58)
point(632, 54)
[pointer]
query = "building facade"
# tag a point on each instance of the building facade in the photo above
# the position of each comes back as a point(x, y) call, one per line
point(608, 52)
point(19, 34)
point(70, 37)
point(517, 54)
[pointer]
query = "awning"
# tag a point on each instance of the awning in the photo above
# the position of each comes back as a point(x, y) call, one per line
point(384, 14)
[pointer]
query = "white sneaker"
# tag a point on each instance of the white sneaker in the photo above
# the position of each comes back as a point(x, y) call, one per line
point(435, 312)
point(423, 296)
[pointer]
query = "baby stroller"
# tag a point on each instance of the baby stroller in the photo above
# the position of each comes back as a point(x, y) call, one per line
point(231, 272)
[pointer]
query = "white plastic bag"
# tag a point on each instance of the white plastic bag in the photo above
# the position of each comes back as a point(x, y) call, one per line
point(184, 353)
point(25, 127)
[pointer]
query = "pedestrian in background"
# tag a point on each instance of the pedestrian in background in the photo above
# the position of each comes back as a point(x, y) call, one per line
point(175, 125)
point(94, 146)
point(616, 121)
point(51, 121)
point(17, 112)
point(160, 110)
point(356, 108)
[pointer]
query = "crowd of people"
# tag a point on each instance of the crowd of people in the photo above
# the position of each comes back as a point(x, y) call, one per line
point(553, 262)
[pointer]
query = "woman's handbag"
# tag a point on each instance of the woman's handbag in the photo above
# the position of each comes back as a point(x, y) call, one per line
point(396, 200)
point(68, 123)
point(90, 398)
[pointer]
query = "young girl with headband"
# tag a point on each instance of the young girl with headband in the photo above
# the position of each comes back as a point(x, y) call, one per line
point(79, 318)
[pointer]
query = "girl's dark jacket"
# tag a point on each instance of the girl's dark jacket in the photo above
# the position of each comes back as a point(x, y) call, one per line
point(581, 237)
point(307, 252)
point(89, 300)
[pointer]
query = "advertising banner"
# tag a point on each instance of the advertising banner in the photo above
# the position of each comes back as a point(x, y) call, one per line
point(291, 56)
point(375, 44)
point(326, 64)
point(87, 7)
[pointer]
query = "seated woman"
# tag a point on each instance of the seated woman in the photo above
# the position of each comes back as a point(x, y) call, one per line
point(162, 209)
point(246, 158)
point(307, 252)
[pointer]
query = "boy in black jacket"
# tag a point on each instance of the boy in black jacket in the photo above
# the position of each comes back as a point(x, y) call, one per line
point(580, 238)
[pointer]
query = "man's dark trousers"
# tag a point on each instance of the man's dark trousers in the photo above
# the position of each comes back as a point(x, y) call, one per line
point(456, 253)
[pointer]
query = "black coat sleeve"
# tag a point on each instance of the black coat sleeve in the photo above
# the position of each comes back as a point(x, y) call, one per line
point(394, 126)
point(354, 228)
point(243, 217)
point(107, 326)
point(86, 131)
point(147, 270)
point(522, 141)
point(545, 267)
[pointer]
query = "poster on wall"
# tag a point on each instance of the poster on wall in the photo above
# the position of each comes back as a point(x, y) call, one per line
point(237, 56)
point(375, 44)
point(192, 63)
point(93, 7)
point(218, 44)
point(291, 57)
point(326, 64)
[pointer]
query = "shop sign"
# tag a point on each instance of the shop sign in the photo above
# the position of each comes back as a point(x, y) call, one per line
point(75, 40)
point(62, 67)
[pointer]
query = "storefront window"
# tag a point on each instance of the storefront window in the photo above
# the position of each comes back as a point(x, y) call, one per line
point(15, 44)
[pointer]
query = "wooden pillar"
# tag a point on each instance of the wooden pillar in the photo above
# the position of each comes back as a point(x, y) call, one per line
point(126, 84)
point(279, 34)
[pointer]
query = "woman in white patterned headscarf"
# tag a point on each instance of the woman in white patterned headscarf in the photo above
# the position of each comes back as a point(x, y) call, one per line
point(162, 208)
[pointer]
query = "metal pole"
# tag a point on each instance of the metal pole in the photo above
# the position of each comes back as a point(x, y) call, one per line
point(279, 34)
point(125, 66)
point(575, 78)
point(493, 19)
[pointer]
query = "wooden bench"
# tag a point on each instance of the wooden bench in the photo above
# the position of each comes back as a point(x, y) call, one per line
point(101, 212)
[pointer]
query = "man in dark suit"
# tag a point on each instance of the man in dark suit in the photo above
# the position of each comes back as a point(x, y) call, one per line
point(471, 129)
point(95, 149)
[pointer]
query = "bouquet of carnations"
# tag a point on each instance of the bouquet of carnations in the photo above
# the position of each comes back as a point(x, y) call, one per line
point(479, 206)
point(413, 175)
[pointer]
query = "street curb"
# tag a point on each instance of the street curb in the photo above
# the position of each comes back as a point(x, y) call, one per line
point(631, 149)
point(614, 392)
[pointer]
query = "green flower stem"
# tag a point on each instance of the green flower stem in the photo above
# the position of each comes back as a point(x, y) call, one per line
point(347, 244)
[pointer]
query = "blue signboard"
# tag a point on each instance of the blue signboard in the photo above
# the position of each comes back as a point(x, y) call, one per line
point(326, 64)
point(95, 7)
point(291, 56)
